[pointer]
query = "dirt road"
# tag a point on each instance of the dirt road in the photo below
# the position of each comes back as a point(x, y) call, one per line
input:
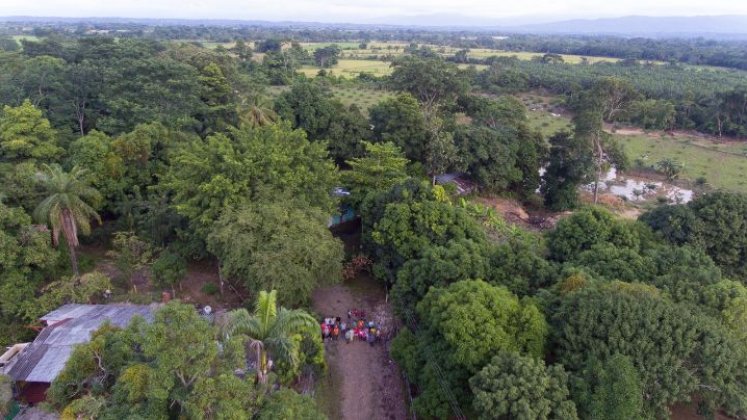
point(366, 383)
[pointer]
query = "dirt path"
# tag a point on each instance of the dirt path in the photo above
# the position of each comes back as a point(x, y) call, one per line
point(368, 384)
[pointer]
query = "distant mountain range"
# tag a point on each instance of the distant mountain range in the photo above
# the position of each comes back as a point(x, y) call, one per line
point(729, 26)
point(645, 25)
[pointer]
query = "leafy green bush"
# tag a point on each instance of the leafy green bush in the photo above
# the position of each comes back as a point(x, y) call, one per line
point(210, 289)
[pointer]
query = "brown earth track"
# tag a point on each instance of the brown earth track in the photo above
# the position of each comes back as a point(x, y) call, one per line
point(370, 384)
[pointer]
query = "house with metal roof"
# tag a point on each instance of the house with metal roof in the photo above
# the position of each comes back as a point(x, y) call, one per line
point(37, 364)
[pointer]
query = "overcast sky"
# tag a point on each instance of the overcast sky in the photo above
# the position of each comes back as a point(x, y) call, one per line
point(364, 10)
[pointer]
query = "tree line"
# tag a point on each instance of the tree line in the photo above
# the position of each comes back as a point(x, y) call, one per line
point(658, 96)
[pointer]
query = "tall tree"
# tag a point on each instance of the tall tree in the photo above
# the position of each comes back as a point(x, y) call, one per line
point(327, 56)
point(611, 390)
point(400, 121)
point(280, 244)
point(570, 164)
point(382, 167)
point(522, 388)
point(256, 112)
point(459, 329)
point(208, 176)
point(431, 80)
point(270, 330)
point(26, 134)
point(68, 207)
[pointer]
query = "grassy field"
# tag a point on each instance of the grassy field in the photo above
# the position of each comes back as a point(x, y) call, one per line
point(723, 164)
point(722, 170)
point(364, 98)
point(522, 55)
point(548, 124)
point(312, 46)
point(351, 51)
point(351, 68)
point(26, 37)
point(541, 117)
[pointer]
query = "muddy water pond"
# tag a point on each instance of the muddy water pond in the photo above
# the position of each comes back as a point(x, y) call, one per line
point(633, 189)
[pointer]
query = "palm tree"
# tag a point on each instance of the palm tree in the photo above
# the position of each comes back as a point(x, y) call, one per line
point(67, 207)
point(270, 331)
point(257, 112)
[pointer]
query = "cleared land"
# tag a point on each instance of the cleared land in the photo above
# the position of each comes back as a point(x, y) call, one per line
point(718, 168)
point(361, 96)
point(351, 68)
point(721, 163)
point(376, 57)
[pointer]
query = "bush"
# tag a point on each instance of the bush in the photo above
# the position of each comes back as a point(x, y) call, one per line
point(168, 270)
point(210, 289)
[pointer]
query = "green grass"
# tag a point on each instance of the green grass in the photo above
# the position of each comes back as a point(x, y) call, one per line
point(351, 68)
point(313, 46)
point(720, 169)
point(523, 55)
point(363, 97)
point(722, 164)
point(26, 37)
point(351, 51)
point(548, 124)
point(540, 118)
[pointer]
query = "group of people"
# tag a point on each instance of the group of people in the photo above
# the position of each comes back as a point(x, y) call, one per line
point(354, 328)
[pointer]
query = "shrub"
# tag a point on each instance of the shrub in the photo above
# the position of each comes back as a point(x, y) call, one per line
point(210, 289)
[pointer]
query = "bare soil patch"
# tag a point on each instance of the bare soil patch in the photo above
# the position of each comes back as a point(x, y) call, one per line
point(689, 411)
point(367, 383)
point(199, 273)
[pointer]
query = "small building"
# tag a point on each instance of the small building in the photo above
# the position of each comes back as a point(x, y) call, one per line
point(34, 366)
point(345, 213)
point(463, 185)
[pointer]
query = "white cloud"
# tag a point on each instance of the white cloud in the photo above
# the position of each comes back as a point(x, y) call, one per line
point(362, 10)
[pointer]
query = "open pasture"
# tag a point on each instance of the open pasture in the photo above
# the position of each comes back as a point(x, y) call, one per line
point(351, 68)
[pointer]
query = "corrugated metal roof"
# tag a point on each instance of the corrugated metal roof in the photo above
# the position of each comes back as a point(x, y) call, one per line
point(69, 325)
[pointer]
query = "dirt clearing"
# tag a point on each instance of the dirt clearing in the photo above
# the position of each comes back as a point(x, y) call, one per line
point(363, 382)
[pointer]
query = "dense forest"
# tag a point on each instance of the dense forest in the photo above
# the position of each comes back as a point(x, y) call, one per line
point(163, 152)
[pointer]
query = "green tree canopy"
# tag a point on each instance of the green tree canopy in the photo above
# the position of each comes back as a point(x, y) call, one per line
point(382, 167)
point(430, 79)
point(715, 222)
point(570, 164)
point(675, 351)
point(287, 404)
point(273, 332)
point(173, 366)
point(26, 134)
point(610, 390)
point(206, 177)
point(406, 230)
point(309, 105)
point(462, 326)
point(279, 245)
point(400, 120)
point(327, 56)
point(27, 260)
point(438, 266)
point(523, 388)
point(68, 206)
point(591, 226)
